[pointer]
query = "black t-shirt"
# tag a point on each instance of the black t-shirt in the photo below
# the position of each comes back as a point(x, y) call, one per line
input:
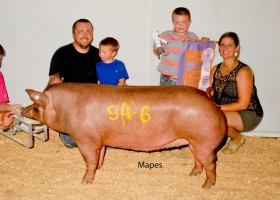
point(74, 66)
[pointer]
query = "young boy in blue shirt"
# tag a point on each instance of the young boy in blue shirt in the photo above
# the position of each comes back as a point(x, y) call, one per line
point(110, 70)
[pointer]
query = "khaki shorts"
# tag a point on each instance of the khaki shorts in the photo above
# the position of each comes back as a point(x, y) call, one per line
point(250, 120)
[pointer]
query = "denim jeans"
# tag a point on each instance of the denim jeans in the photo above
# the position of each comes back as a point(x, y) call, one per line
point(67, 140)
point(164, 80)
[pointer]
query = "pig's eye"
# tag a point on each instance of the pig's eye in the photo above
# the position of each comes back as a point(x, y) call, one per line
point(36, 109)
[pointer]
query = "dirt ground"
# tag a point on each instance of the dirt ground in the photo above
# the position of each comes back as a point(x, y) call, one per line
point(52, 171)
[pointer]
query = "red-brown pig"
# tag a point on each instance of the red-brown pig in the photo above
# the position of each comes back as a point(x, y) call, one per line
point(140, 118)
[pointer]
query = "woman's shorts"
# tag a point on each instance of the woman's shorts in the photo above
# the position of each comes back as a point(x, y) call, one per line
point(250, 120)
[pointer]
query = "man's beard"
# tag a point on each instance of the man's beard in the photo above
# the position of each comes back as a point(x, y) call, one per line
point(84, 44)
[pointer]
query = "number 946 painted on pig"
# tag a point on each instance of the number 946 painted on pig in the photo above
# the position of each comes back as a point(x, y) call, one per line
point(126, 112)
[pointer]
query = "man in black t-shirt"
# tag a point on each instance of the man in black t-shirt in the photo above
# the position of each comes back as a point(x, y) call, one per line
point(76, 62)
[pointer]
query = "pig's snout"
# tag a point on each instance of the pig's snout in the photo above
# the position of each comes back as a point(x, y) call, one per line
point(23, 112)
point(32, 112)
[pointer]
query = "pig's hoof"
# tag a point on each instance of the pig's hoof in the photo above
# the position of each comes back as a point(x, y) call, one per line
point(87, 180)
point(195, 172)
point(208, 183)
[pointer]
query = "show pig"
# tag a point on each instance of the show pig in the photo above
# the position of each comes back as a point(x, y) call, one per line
point(140, 118)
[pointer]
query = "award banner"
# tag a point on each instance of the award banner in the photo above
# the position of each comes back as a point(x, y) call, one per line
point(195, 64)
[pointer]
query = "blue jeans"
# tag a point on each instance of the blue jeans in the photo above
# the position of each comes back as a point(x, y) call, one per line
point(67, 140)
point(167, 80)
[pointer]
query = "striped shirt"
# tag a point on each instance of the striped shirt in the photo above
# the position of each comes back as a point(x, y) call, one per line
point(169, 63)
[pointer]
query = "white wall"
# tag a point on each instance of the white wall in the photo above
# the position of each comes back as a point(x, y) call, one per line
point(32, 30)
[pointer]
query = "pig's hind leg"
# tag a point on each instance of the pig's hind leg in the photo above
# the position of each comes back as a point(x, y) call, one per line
point(197, 169)
point(205, 158)
point(91, 155)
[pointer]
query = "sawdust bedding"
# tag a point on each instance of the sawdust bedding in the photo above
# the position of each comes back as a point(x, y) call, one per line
point(52, 171)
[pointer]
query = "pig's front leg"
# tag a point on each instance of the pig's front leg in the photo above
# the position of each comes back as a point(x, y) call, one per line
point(91, 156)
point(101, 156)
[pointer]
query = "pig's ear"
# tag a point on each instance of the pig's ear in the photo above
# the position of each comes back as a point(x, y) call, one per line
point(38, 98)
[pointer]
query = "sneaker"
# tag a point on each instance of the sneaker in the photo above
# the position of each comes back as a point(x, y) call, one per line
point(231, 147)
point(67, 140)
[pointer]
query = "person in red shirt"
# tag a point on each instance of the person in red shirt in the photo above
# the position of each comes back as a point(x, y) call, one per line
point(6, 109)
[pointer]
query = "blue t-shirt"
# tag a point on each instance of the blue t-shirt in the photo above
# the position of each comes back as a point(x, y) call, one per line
point(111, 73)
